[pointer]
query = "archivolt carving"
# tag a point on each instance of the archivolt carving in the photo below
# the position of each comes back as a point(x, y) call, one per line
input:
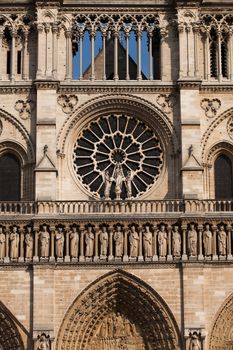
point(219, 147)
point(22, 130)
point(221, 337)
point(118, 311)
point(212, 126)
point(9, 334)
point(120, 103)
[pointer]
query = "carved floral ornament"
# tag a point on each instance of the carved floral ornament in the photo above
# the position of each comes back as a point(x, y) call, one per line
point(210, 106)
point(67, 102)
point(24, 107)
point(166, 102)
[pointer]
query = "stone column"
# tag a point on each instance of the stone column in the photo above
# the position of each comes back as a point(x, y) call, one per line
point(36, 234)
point(55, 50)
point(184, 240)
point(80, 55)
point(67, 232)
point(13, 55)
point(68, 36)
point(196, 50)
point(125, 257)
point(52, 234)
point(200, 242)
point(169, 236)
point(181, 48)
point(150, 36)
point(139, 68)
point(96, 257)
point(81, 257)
point(155, 253)
point(215, 256)
point(40, 58)
point(229, 242)
point(116, 36)
point(188, 31)
point(219, 55)
point(104, 34)
point(230, 56)
point(163, 34)
point(21, 248)
point(92, 37)
point(127, 35)
point(25, 56)
point(140, 256)
point(7, 259)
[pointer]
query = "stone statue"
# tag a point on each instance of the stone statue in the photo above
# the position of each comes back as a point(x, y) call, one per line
point(44, 242)
point(43, 343)
point(162, 241)
point(147, 241)
point(2, 244)
point(176, 242)
point(119, 241)
point(59, 238)
point(128, 184)
point(119, 178)
point(89, 240)
point(74, 240)
point(222, 241)
point(207, 240)
point(14, 243)
point(29, 243)
point(133, 242)
point(192, 241)
point(194, 343)
point(103, 236)
point(107, 184)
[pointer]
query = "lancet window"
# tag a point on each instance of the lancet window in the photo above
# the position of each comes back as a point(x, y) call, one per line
point(218, 46)
point(10, 178)
point(116, 47)
point(223, 177)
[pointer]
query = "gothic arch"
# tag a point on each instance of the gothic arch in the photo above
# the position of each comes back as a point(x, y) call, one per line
point(10, 337)
point(118, 296)
point(221, 336)
point(119, 103)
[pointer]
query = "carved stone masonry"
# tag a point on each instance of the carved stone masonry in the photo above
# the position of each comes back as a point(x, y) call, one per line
point(24, 108)
point(210, 106)
point(230, 127)
point(67, 102)
point(166, 102)
point(194, 339)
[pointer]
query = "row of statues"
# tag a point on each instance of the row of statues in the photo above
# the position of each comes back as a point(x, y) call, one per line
point(147, 241)
point(119, 178)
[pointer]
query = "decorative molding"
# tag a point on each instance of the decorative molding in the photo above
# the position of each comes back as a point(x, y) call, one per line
point(24, 107)
point(67, 102)
point(210, 106)
point(230, 127)
point(166, 102)
point(47, 84)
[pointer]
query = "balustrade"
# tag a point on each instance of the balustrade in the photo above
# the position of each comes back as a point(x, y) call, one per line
point(121, 242)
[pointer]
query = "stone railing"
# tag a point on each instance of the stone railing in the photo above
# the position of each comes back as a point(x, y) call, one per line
point(121, 207)
point(115, 241)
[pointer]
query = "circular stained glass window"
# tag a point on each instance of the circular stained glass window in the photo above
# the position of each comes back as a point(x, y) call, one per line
point(117, 156)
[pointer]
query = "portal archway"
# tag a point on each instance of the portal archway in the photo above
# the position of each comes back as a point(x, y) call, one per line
point(118, 311)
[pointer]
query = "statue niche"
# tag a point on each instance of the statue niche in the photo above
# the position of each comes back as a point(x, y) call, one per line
point(115, 332)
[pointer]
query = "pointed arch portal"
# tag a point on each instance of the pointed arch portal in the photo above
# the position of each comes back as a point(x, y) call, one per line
point(118, 311)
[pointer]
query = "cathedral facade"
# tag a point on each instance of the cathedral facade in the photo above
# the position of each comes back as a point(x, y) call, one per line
point(116, 175)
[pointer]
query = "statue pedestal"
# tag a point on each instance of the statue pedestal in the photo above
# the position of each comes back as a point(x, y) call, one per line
point(148, 258)
point(73, 259)
point(52, 259)
point(67, 258)
point(169, 258)
point(21, 259)
point(35, 258)
point(229, 257)
point(125, 258)
point(184, 257)
point(155, 258)
point(201, 257)
point(6, 259)
point(140, 258)
point(162, 258)
point(60, 259)
point(81, 258)
point(96, 258)
point(110, 258)
point(221, 257)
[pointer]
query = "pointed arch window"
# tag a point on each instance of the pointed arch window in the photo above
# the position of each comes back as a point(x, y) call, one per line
point(223, 177)
point(10, 177)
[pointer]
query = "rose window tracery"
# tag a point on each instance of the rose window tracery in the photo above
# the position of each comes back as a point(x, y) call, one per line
point(119, 153)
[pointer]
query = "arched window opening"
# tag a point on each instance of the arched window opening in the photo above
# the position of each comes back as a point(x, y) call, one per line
point(224, 55)
point(213, 54)
point(10, 178)
point(223, 178)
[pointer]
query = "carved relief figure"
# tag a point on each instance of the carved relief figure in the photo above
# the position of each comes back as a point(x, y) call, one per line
point(43, 343)
point(29, 243)
point(119, 241)
point(103, 235)
point(147, 241)
point(162, 241)
point(119, 178)
point(14, 243)
point(222, 241)
point(176, 242)
point(44, 242)
point(2, 244)
point(89, 240)
point(107, 184)
point(128, 184)
point(207, 240)
point(194, 343)
point(192, 241)
point(59, 237)
point(74, 239)
point(133, 242)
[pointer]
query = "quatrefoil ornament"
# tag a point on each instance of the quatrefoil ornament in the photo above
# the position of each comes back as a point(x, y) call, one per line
point(210, 107)
point(67, 102)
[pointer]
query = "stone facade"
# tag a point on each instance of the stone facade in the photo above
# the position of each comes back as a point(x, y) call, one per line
point(120, 120)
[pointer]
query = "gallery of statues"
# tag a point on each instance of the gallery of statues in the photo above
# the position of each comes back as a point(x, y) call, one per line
point(116, 175)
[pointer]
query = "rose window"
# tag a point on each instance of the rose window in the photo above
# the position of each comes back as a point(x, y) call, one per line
point(117, 156)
